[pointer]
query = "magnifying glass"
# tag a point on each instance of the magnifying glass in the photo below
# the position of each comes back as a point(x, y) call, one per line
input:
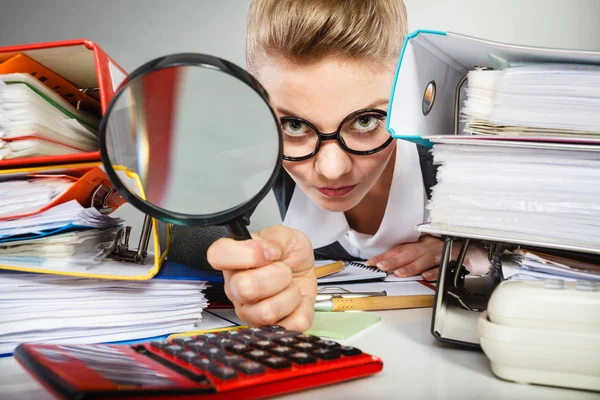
point(191, 139)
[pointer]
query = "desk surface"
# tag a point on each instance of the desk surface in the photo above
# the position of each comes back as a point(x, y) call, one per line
point(416, 366)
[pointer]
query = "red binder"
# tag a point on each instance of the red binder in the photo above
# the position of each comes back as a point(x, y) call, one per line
point(82, 63)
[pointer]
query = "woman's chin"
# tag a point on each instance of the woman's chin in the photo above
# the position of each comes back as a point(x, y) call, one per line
point(335, 204)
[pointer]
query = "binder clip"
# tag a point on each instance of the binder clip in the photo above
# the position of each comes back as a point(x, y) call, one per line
point(121, 251)
point(459, 300)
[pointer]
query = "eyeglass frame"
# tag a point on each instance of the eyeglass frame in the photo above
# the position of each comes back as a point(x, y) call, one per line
point(336, 135)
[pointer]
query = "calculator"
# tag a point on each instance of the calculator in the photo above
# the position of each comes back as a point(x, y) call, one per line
point(245, 363)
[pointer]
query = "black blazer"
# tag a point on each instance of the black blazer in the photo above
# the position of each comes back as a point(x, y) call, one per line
point(189, 244)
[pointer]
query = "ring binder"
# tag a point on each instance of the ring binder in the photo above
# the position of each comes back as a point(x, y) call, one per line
point(448, 58)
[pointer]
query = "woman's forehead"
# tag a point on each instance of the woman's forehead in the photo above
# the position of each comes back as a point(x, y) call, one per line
point(325, 92)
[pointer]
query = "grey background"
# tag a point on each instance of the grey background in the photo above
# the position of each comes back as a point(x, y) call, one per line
point(135, 31)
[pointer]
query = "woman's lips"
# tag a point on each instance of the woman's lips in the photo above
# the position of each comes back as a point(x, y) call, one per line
point(337, 191)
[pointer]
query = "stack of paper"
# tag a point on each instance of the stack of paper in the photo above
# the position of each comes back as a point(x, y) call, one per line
point(63, 217)
point(49, 308)
point(535, 101)
point(18, 197)
point(36, 121)
point(526, 265)
point(536, 194)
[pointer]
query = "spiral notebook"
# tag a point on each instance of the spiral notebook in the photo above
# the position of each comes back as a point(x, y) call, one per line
point(353, 272)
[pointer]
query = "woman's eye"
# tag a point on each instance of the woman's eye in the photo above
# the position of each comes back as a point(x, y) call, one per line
point(295, 128)
point(365, 123)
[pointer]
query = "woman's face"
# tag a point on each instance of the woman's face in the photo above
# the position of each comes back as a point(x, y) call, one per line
point(324, 93)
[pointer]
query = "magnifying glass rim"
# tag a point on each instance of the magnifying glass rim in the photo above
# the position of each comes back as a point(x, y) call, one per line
point(192, 60)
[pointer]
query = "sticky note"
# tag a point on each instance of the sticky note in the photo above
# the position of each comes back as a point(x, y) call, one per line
point(341, 325)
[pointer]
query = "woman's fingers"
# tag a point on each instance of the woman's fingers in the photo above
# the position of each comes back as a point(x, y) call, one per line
point(401, 258)
point(415, 267)
point(431, 275)
point(271, 310)
point(301, 319)
point(252, 285)
point(228, 254)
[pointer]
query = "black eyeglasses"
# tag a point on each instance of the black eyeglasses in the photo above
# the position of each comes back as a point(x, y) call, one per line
point(362, 133)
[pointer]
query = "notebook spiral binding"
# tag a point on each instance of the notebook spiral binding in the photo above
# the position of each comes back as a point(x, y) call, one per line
point(363, 266)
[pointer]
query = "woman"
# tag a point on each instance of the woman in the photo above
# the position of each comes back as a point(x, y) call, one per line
point(347, 190)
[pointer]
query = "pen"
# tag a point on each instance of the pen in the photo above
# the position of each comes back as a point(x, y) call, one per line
point(348, 295)
point(329, 269)
point(374, 303)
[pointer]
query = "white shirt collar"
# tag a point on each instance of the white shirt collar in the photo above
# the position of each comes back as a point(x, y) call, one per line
point(405, 209)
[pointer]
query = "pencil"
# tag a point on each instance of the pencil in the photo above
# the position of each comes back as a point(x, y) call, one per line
point(329, 269)
point(375, 303)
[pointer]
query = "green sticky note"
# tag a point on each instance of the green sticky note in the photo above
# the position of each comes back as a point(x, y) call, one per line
point(341, 325)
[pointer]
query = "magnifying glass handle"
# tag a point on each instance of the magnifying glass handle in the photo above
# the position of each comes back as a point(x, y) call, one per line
point(238, 229)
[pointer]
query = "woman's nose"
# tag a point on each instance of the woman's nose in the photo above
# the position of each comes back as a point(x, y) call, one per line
point(332, 161)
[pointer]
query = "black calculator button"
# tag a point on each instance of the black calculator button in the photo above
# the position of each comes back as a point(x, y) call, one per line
point(262, 344)
point(212, 352)
point(196, 346)
point(159, 344)
point(326, 354)
point(273, 328)
point(186, 355)
point(302, 358)
point(230, 359)
point(250, 331)
point(238, 348)
point(307, 338)
point(304, 346)
point(349, 351)
point(281, 351)
point(290, 333)
point(204, 363)
point(183, 340)
point(244, 338)
point(221, 342)
point(172, 349)
point(266, 335)
point(257, 355)
point(286, 341)
point(250, 367)
point(223, 372)
point(205, 337)
point(277, 362)
point(327, 344)
point(230, 334)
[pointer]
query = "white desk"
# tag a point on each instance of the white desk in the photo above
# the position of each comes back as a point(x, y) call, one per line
point(416, 366)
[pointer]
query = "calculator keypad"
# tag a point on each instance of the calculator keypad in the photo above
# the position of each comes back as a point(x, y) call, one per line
point(252, 351)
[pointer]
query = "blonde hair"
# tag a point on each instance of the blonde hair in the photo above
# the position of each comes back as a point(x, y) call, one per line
point(308, 30)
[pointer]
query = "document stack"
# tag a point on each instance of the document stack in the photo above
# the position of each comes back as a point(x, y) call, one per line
point(66, 272)
point(515, 136)
point(36, 121)
point(537, 180)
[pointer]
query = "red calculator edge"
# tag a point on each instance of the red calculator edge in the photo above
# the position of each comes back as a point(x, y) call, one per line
point(68, 378)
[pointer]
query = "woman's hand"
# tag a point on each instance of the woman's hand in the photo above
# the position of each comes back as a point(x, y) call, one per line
point(410, 259)
point(424, 256)
point(270, 279)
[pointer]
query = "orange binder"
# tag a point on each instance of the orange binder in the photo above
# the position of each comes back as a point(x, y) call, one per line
point(23, 64)
point(87, 181)
point(82, 64)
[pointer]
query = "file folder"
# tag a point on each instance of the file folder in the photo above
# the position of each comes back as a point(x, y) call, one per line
point(79, 62)
point(427, 93)
point(444, 58)
point(111, 268)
